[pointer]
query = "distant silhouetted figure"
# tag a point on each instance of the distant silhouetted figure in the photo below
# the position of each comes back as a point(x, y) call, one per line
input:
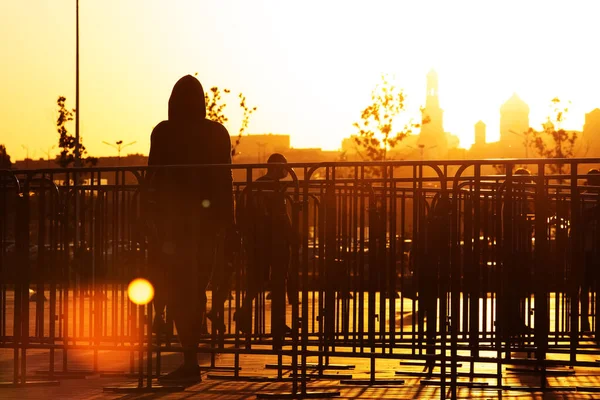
point(267, 237)
point(517, 270)
point(193, 208)
point(433, 268)
point(591, 218)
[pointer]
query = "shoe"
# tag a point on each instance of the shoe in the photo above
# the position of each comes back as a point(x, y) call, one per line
point(243, 321)
point(585, 326)
point(216, 320)
point(159, 326)
point(183, 374)
point(287, 330)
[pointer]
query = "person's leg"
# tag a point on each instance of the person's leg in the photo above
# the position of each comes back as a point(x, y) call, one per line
point(279, 266)
point(184, 297)
point(221, 282)
point(292, 286)
point(585, 292)
point(430, 306)
point(255, 264)
point(156, 273)
point(206, 256)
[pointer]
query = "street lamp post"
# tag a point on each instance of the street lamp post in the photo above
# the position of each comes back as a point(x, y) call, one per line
point(47, 153)
point(26, 148)
point(77, 139)
point(422, 149)
point(119, 146)
point(526, 143)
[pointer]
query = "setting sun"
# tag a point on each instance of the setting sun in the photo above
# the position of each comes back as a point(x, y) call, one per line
point(140, 291)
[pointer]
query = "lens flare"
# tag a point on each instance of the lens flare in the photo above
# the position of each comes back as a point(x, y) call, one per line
point(140, 291)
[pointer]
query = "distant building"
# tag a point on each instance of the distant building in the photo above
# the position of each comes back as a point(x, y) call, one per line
point(591, 134)
point(514, 120)
point(432, 138)
point(480, 136)
point(260, 146)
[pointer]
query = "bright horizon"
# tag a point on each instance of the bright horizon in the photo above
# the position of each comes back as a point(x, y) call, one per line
point(308, 67)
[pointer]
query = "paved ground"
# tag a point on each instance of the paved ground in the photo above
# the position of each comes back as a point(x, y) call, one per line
point(92, 386)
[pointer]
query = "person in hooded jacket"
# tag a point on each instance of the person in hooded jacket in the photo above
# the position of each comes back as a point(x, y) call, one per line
point(191, 210)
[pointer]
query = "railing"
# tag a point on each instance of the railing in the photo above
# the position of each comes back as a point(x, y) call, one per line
point(444, 263)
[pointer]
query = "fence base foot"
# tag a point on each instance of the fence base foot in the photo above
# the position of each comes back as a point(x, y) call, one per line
point(549, 372)
point(242, 378)
point(12, 385)
point(426, 364)
point(224, 368)
point(595, 389)
point(119, 374)
point(306, 395)
point(464, 384)
point(144, 389)
point(329, 376)
point(77, 374)
point(369, 382)
point(545, 389)
point(311, 366)
point(438, 374)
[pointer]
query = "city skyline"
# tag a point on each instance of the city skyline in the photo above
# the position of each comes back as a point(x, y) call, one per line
point(311, 85)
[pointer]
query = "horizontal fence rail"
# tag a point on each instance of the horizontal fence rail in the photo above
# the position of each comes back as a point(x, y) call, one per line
point(451, 265)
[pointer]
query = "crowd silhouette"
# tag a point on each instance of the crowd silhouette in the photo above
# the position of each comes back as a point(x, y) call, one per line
point(194, 238)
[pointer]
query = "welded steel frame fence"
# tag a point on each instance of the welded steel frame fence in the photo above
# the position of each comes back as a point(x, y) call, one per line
point(445, 263)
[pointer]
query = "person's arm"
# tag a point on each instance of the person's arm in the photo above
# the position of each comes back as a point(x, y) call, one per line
point(156, 158)
point(225, 189)
point(155, 182)
point(149, 194)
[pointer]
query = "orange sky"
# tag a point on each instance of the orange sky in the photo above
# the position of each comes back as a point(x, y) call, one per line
point(309, 66)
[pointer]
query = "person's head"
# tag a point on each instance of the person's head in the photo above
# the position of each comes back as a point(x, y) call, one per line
point(523, 172)
point(277, 171)
point(186, 103)
point(593, 177)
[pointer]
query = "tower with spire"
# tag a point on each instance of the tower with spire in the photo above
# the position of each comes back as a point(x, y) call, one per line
point(432, 138)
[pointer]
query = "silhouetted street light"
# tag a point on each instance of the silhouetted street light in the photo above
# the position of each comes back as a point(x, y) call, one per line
point(422, 148)
point(77, 139)
point(47, 153)
point(26, 148)
point(527, 141)
point(119, 146)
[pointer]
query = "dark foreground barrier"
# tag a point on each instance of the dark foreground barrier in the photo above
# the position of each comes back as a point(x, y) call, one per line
point(469, 268)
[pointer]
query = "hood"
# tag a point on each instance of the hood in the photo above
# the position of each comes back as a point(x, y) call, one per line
point(187, 100)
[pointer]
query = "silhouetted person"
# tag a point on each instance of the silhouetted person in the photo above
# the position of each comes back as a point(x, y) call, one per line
point(591, 216)
point(194, 206)
point(267, 237)
point(433, 267)
point(517, 271)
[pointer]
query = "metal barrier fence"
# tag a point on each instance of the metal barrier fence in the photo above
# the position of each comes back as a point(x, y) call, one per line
point(437, 264)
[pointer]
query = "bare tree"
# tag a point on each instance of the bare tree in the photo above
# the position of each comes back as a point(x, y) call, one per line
point(377, 128)
point(215, 111)
point(553, 141)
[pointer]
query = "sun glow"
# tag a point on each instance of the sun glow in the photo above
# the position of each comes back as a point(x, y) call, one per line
point(140, 291)
point(309, 67)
